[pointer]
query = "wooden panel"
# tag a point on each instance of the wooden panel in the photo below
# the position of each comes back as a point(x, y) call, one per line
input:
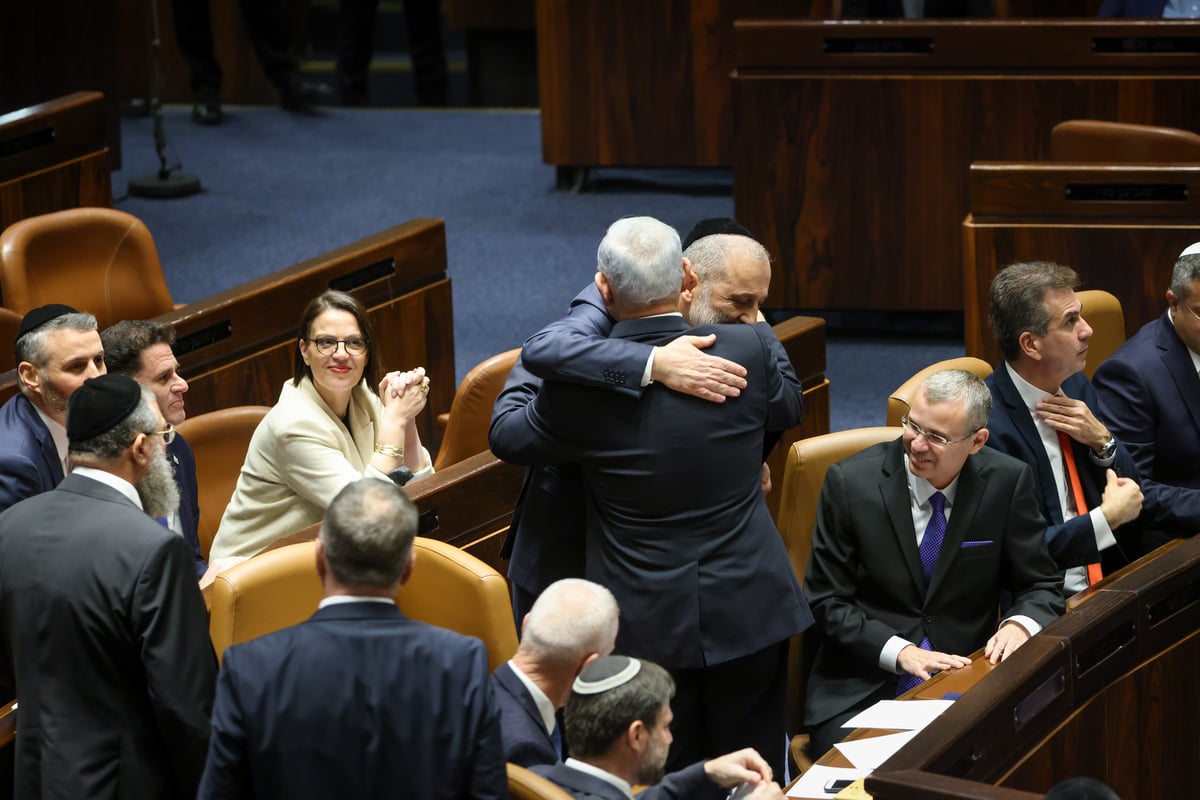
point(853, 167)
point(638, 82)
point(1126, 245)
point(54, 156)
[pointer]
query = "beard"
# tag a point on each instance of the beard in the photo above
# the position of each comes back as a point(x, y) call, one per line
point(157, 488)
point(56, 401)
point(653, 765)
point(702, 311)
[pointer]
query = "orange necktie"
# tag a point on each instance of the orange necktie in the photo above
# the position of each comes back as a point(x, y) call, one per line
point(1093, 570)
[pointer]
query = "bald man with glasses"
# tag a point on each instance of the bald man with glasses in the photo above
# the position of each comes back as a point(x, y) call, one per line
point(915, 544)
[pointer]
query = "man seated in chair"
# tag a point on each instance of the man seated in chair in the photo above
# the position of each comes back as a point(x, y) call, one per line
point(358, 701)
point(141, 349)
point(571, 624)
point(56, 350)
point(618, 719)
point(916, 542)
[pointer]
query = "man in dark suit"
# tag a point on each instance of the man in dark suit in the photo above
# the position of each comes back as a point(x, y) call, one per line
point(915, 544)
point(619, 713)
point(1043, 414)
point(572, 623)
point(1149, 392)
point(678, 527)
point(103, 628)
point(358, 701)
point(56, 350)
point(1169, 9)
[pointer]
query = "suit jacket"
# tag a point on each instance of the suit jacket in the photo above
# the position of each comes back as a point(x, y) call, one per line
point(526, 740)
point(678, 528)
point(358, 701)
point(1132, 8)
point(29, 462)
point(1150, 395)
point(106, 636)
point(1071, 543)
point(300, 457)
point(184, 463)
point(686, 783)
point(864, 577)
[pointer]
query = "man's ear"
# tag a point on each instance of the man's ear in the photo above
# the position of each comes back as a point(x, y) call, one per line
point(1030, 345)
point(978, 440)
point(1172, 300)
point(636, 736)
point(689, 277)
point(408, 568)
point(142, 450)
point(320, 551)
point(29, 376)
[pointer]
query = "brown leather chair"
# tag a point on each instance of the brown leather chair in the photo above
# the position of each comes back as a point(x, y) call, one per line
point(219, 441)
point(901, 398)
point(1092, 140)
point(448, 588)
point(1103, 312)
point(803, 477)
point(10, 323)
point(96, 259)
point(526, 785)
point(470, 414)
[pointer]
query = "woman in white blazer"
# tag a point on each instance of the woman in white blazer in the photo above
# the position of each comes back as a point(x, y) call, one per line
point(328, 429)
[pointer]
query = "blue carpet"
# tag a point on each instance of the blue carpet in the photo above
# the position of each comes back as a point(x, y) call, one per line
point(281, 188)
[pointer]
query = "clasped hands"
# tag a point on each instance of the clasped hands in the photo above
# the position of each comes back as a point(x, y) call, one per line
point(409, 389)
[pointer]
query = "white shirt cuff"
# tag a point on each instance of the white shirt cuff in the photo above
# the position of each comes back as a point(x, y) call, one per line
point(1104, 534)
point(649, 370)
point(890, 652)
point(1025, 622)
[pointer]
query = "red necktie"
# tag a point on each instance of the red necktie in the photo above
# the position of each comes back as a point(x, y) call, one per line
point(1093, 570)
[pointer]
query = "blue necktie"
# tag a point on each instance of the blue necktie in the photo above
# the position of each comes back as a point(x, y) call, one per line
point(556, 740)
point(931, 545)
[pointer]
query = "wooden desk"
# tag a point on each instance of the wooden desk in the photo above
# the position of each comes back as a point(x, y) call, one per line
point(1120, 227)
point(54, 156)
point(853, 139)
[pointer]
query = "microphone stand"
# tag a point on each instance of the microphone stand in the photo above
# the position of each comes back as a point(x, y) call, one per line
point(168, 181)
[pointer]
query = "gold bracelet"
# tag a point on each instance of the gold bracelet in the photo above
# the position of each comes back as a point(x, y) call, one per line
point(389, 450)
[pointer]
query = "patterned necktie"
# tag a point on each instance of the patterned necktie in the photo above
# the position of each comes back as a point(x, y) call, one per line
point(931, 545)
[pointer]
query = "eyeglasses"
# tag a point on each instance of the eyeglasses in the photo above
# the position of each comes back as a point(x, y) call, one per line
point(327, 345)
point(935, 439)
point(1189, 308)
point(167, 435)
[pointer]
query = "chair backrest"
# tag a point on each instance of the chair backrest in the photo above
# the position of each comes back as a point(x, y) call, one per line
point(803, 477)
point(219, 440)
point(96, 259)
point(448, 588)
point(471, 412)
point(1103, 312)
point(526, 785)
point(1120, 142)
point(10, 323)
point(900, 400)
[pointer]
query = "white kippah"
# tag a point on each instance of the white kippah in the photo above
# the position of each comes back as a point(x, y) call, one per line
point(1190, 250)
point(606, 673)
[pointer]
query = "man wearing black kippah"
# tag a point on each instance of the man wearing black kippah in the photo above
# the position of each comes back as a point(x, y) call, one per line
point(56, 350)
point(103, 630)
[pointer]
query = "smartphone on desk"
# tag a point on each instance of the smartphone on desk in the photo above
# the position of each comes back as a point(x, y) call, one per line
point(837, 784)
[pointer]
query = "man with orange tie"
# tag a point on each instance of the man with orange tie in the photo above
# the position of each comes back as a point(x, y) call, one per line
point(1043, 414)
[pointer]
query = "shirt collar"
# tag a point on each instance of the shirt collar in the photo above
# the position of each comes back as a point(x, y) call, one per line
point(1195, 356)
point(108, 479)
point(58, 434)
point(544, 706)
point(339, 599)
point(1030, 394)
point(596, 772)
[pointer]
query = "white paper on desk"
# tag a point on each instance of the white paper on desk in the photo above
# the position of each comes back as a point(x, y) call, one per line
point(812, 783)
point(871, 752)
point(899, 715)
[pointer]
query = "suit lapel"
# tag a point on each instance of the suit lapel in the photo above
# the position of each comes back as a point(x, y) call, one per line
point(512, 684)
point(44, 438)
point(1023, 422)
point(1179, 364)
point(893, 489)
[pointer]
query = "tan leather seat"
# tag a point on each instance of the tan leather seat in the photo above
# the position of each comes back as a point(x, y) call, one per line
point(448, 588)
point(803, 477)
point(1103, 312)
point(470, 414)
point(1121, 142)
point(10, 323)
point(96, 259)
point(901, 398)
point(219, 440)
point(526, 785)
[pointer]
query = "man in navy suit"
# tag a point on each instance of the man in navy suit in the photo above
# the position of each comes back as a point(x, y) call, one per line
point(358, 701)
point(57, 349)
point(619, 716)
point(678, 527)
point(571, 624)
point(1149, 392)
point(1167, 9)
point(1043, 403)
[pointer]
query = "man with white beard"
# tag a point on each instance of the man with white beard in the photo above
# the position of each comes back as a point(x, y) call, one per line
point(103, 630)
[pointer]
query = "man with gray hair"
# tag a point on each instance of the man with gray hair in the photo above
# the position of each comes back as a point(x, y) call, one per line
point(56, 350)
point(1043, 413)
point(572, 623)
point(915, 545)
point(358, 701)
point(103, 630)
point(677, 526)
point(1149, 392)
point(618, 718)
